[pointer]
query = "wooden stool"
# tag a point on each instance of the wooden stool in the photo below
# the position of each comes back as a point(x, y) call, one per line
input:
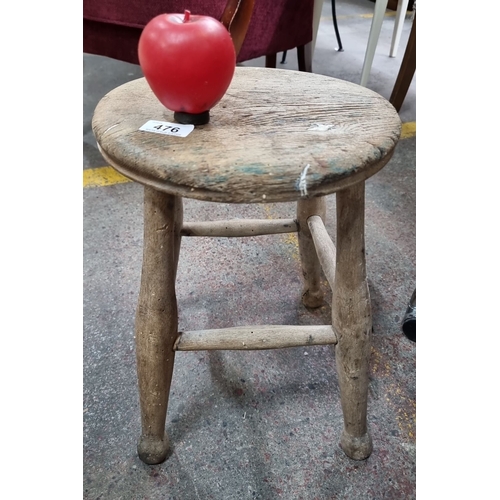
point(276, 136)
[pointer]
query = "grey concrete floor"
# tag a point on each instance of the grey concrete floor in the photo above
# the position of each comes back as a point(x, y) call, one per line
point(251, 424)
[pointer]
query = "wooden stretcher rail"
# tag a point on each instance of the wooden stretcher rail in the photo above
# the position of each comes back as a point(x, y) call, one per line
point(255, 337)
point(325, 248)
point(237, 228)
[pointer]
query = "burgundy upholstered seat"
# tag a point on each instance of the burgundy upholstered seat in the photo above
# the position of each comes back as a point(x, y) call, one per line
point(112, 27)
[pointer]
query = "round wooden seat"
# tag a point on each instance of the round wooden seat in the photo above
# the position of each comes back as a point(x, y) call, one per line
point(276, 135)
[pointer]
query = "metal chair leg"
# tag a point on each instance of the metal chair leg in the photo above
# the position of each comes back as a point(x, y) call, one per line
point(337, 34)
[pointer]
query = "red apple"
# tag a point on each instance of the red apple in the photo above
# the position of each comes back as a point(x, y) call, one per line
point(187, 60)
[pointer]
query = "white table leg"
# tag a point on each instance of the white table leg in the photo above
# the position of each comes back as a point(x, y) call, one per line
point(378, 17)
point(398, 26)
point(318, 6)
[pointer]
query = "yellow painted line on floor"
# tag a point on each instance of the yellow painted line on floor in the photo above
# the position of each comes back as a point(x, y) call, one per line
point(390, 13)
point(108, 176)
point(102, 176)
point(409, 129)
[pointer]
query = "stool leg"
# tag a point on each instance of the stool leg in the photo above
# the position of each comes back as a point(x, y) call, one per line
point(312, 296)
point(156, 319)
point(351, 319)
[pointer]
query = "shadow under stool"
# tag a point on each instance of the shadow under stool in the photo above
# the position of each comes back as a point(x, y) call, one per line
point(276, 136)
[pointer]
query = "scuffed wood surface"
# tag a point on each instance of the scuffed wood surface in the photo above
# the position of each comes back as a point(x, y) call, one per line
point(351, 319)
point(325, 247)
point(237, 228)
point(312, 294)
point(156, 319)
point(255, 337)
point(264, 132)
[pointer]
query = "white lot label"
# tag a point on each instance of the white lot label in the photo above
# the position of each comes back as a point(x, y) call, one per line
point(167, 128)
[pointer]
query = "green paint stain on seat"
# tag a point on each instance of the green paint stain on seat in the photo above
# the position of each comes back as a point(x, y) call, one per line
point(254, 168)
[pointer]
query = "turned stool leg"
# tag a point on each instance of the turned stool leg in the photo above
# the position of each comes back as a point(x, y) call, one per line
point(351, 319)
point(156, 319)
point(312, 296)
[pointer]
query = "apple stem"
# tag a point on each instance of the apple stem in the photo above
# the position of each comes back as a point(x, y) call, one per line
point(187, 15)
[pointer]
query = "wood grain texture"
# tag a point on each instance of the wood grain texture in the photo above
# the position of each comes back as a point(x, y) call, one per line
point(236, 18)
point(268, 127)
point(407, 69)
point(325, 248)
point(312, 295)
point(156, 319)
point(351, 320)
point(238, 228)
point(255, 337)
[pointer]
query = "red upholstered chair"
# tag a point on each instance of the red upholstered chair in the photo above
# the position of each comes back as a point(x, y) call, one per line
point(112, 27)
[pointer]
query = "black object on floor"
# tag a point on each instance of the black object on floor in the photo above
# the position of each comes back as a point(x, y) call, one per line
point(409, 325)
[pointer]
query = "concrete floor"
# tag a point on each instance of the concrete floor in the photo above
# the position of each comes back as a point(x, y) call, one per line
point(259, 425)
